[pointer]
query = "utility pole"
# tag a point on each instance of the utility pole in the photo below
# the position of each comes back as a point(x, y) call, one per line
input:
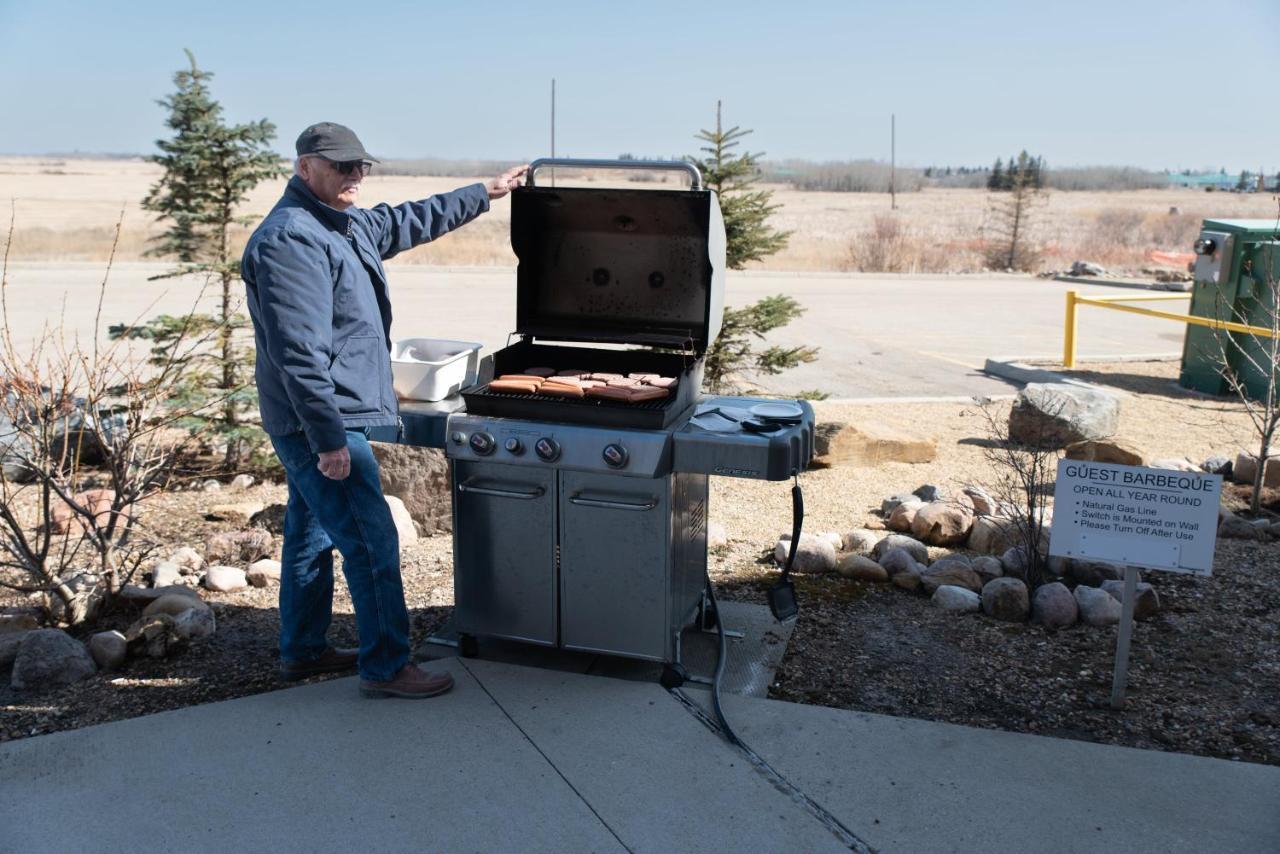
point(893, 161)
point(553, 127)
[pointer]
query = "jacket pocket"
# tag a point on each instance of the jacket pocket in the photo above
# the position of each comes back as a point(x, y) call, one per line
point(357, 373)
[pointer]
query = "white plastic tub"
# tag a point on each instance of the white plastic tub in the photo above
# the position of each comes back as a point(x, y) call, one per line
point(432, 368)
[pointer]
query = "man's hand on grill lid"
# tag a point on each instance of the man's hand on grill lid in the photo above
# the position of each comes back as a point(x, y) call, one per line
point(507, 181)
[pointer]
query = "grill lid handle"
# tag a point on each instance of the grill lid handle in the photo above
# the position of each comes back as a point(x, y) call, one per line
point(695, 177)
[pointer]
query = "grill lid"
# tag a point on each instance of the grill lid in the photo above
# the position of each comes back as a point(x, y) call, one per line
point(619, 265)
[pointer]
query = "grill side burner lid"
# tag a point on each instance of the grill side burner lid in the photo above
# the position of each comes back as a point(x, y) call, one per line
point(619, 265)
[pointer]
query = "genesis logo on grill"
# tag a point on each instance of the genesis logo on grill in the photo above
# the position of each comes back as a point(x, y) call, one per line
point(736, 472)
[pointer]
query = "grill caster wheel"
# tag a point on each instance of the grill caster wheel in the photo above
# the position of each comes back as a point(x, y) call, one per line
point(468, 646)
point(673, 676)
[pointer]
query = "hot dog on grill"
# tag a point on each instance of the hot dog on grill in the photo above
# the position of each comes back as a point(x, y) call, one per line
point(513, 387)
point(522, 378)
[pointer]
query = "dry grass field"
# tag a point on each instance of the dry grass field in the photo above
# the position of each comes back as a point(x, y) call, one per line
point(66, 210)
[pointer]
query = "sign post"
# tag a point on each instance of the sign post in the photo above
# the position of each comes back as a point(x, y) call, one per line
point(1134, 516)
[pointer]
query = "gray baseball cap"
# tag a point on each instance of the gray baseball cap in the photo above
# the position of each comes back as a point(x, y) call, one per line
point(333, 142)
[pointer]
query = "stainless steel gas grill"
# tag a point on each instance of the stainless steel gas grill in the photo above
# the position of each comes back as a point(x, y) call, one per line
point(580, 523)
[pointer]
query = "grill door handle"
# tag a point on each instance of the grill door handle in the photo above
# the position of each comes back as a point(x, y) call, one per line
point(695, 177)
point(612, 505)
point(466, 486)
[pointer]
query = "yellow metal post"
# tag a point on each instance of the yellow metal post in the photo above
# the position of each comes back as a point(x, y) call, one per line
point(1069, 333)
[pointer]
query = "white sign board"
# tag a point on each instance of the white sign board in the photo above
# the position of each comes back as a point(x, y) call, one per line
point(1137, 516)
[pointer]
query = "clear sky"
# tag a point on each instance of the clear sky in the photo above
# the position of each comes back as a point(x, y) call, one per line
point(1166, 84)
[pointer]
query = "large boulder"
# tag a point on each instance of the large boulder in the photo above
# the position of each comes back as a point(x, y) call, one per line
point(1111, 451)
point(861, 568)
point(869, 444)
point(1053, 606)
point(1006, 599)
point(992, 535)
point(155, 636)
point(908, 579)
point(899, 560)
point(860, 542)
point(50, 658)
point(420, 478)
point(1097, 607)
point(1092, 573)
point(109, 649)
point(942, 523)
point(915, 548)
point(902, 517)
point(1146, 604)
point(1054, 415)
point(957, 600)
point(952, 572)
point(1245, 469)
point(813, 554)
point(987, 567)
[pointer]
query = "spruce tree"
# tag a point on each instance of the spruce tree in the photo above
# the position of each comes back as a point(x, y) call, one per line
point(209, 169)
point(746, 211)
point(995, 181)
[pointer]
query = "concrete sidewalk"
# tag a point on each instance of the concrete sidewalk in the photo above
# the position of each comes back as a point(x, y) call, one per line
point(531, 760)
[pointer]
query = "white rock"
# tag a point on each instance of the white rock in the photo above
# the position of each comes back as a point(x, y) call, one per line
point(948, 597)
point(166, 573)
point(225, 579)
point(813, 554)
point(195, 624)
point(263, 572)
point(837, 541)
point(404, 522)
point(915, 548)
point(717, 535)
point(211, 485)
point(860, 542)
point(187, 559)
point(1097, 607)
point(108, 649)
point(242, 481)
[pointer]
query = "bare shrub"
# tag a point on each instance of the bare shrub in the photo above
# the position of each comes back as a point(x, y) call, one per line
point(858, 176)
point(1173, 230)
point(881, 248)
point(87, 434)
point(1121, 227)
point(1105, 178)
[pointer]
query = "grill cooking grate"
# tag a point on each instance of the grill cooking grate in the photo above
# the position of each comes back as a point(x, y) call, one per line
point(586, 402)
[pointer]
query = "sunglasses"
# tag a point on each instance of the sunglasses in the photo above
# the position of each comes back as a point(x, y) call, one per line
point(346, 167)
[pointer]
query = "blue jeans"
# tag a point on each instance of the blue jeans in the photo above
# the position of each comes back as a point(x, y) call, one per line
point(352, 515)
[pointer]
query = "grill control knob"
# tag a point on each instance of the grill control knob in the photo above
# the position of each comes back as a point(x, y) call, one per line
point(547, 449)
point(615, 456)
point(1206, 246)
point(514, 446)
point(482, 444)
point(458, 437)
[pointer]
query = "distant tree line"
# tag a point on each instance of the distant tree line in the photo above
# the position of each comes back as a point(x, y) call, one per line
point(1023, 170)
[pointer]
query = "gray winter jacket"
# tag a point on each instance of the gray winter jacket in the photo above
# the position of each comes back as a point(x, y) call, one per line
point(321, 313)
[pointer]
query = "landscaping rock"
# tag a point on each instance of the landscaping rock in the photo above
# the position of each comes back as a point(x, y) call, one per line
point(899, 560)
point(1054, 415)
point(1006, 599)
point(837, 541)
point(813, 554)
point(1146, 603)
point(155, 636)
point(907, 580)
point(1053, 606)
point(1014, 562)
point(166, 573)
point(904, 515)
point(717, 535)
point(94, 501)
point(405, 529)
point(983, 503)
point(890, 504)
point(1110, 451)
point(942, 523)
point(955, 599)
point(134, 593)
point(108, 650)
point(992, 535)
point(239, 513)
point(1245, 470)
point(195, 624)
point(987, 567)
point(241, 482)
point(869, 443)
point(9, 643)
point(915, 548)
point(263, 573)
point(1087, 268)
point(173, 605)
point(861, 568)
point(225, 579)
point(1092, 573)
point(1175, 464)
point(929, 492)
point(860, 542)
point(241, 546)
point(270, 519)
point(1238, 528)
point(187, 559)
point(1097, 607)
point(211, 485)
point(1218, 465)
point(950, 573)
point(50, 658)
point(420, 478)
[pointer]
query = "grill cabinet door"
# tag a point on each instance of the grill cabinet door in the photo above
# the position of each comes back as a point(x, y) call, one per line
point(504, 551)
point(615, 564)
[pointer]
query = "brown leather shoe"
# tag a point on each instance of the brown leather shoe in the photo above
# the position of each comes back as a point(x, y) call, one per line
point(332, 660)
point(410, 682)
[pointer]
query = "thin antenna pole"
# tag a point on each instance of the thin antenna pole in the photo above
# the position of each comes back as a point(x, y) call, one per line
point(893, 161)
point(553, 127)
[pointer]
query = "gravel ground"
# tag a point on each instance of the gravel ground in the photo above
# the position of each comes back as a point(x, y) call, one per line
point(1204, 674)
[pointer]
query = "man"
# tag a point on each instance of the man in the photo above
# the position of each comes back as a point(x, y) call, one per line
point(318, 296)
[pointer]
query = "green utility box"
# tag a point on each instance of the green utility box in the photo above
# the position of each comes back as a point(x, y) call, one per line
point(1237, 276)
